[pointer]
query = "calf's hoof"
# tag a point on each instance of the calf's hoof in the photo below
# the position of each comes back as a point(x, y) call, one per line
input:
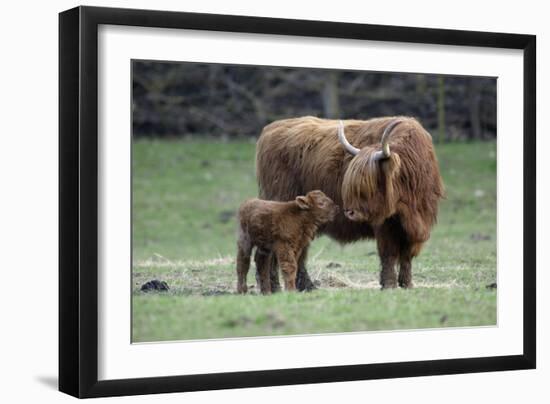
point(275, 288)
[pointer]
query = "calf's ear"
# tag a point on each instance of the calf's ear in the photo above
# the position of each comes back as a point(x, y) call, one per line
point(302, 202)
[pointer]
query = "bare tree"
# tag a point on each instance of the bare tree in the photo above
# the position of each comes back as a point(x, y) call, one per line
point(474, 96)
point(440, 109)
point(331, 102)
point(179, 99)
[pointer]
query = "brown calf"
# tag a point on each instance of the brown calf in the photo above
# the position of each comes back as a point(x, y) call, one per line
point(282, 228)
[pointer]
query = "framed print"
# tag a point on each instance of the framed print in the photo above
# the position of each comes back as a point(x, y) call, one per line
point(251, 201)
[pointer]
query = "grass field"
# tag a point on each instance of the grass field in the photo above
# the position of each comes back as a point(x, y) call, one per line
point(185, 194)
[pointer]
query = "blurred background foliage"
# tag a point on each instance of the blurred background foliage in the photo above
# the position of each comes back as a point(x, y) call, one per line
point(231, 101)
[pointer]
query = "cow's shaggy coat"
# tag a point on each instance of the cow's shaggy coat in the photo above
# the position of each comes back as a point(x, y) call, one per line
point(282, 228)
point(392, 199)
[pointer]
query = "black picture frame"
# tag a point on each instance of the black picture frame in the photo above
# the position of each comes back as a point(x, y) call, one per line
point(78, 201)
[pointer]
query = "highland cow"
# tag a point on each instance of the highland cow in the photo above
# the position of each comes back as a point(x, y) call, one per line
point(284, 229)
point(382, 171)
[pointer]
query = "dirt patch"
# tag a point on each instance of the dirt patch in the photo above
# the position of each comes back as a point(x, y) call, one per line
point(335, 280)
point(215, 292)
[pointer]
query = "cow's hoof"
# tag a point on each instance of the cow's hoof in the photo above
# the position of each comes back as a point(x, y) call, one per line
point(303, 282)
point(306, 287)
point(388, 285)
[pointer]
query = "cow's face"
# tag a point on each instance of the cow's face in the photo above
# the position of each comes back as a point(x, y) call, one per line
point(369, 193)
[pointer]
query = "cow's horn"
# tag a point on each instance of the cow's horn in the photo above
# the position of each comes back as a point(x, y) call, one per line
point(385, 152)
point(342, 137)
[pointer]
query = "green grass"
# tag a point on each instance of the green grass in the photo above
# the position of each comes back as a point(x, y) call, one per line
point(185, 194)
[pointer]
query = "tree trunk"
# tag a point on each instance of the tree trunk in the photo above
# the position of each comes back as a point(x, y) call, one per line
point(440, 109)
point(474, 104)
point(331, 102)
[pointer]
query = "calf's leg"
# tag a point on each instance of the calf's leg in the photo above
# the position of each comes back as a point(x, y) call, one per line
point(262, 259)
point(274, 273)
point(244, 249)
point(289, 266)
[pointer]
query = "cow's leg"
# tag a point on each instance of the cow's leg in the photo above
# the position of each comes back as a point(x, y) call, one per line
point(244, 249)
point(405, 272)
point(303, 282)
point(388, 243)
point(408, 252)
point(289, 266)
point(262, 258)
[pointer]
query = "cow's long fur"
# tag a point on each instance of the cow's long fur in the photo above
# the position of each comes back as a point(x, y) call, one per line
point(397, 197)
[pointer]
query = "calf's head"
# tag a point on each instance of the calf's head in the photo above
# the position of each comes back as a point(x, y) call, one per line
point(369, 191)
point(321, 206)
